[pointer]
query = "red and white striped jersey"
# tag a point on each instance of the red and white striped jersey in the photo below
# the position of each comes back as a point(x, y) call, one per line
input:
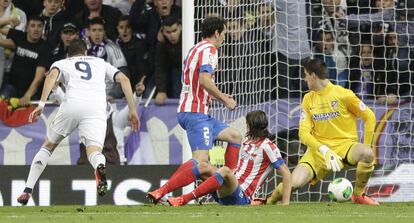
point(257, 158)
point(201, 58)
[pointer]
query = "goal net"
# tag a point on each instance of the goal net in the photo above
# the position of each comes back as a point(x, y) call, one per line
point(366, 45)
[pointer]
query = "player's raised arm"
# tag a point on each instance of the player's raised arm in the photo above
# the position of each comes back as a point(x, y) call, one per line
point(126, 88)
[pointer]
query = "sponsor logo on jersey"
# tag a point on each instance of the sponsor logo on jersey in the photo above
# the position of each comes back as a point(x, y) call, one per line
point(325, 116)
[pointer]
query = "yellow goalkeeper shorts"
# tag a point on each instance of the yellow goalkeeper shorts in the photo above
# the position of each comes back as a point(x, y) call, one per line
point(315, 160)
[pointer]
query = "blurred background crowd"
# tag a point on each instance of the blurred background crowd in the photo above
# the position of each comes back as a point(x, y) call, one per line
point(368, 45)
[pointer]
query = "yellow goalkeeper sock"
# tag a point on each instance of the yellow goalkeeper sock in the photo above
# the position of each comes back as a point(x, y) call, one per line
point(276, 195)
point(363, 172)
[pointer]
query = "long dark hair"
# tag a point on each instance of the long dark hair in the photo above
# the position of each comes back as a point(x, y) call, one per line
point(257, 122)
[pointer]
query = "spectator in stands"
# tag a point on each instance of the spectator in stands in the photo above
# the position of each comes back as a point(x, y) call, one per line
point(73, 7)
point(245, 63)
point(68, 33)
point(123, 5)
point(147, 19)
point(339, 50)
point(53, 16)
point(12, 17)
point(292, 46)
point(401, 20)
point(134, 48)
point(94, 8)
point(370, 77)
point(323, 50)
point(30, 61)
point(31, 8)
point(266, 22)
point(168, 61)
point(100, 46)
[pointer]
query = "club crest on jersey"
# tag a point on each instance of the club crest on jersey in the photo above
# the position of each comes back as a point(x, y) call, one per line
point(211, 59)
point(334, 104)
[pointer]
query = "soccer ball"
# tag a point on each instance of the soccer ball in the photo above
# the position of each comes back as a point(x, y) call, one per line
point(340, 189)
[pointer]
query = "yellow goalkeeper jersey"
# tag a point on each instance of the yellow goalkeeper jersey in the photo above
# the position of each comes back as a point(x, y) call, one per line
point(329, 117)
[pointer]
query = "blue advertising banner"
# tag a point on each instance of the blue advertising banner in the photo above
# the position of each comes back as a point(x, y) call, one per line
point(162, 141)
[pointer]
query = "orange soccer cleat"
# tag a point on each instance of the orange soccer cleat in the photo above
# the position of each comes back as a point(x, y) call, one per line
point(363, 199)
point(176, 201)
point(100, 176)
point(155, 196)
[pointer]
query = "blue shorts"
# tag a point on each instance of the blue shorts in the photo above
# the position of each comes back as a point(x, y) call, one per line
point(201, 129)
point(237, 198)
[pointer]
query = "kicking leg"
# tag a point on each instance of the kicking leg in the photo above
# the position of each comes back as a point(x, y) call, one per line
point(196, 168)
point(223, 180)
point(302, 174)
point(39, 163)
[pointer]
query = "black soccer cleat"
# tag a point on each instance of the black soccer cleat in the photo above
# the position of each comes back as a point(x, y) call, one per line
point(100, 176)
point(24, 198)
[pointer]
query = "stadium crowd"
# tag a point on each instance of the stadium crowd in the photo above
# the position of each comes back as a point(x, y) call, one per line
point(368, 45)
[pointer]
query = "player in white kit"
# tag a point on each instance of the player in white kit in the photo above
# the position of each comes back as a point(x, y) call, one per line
point(84, 107)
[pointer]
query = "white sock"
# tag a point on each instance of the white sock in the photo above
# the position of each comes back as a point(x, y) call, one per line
point(38, 165)
point(96, 158)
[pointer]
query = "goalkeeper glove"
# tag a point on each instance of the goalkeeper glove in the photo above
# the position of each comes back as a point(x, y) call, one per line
point(332, 160)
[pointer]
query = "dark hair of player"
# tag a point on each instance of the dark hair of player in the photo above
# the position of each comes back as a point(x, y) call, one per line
point(211, 25)
point(257, 122)
point(76, 47)
point(318, 67)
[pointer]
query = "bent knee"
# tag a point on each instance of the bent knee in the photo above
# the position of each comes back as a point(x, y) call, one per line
point(49, 145)
point(235, 136)
point(367, 156)
point(225, 171)
point(205, 168)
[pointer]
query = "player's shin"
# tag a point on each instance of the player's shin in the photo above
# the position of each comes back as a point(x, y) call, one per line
point(276, 195)
point(38, 165)
point(189, 164)
point(363, 172)
point(212, 184)
point(232, 155)
point(180, 179)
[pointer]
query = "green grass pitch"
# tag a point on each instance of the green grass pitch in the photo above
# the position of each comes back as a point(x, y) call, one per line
point(296, 212)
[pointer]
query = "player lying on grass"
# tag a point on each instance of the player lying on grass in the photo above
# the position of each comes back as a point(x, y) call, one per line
point(328, 126)
point(257, 159)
